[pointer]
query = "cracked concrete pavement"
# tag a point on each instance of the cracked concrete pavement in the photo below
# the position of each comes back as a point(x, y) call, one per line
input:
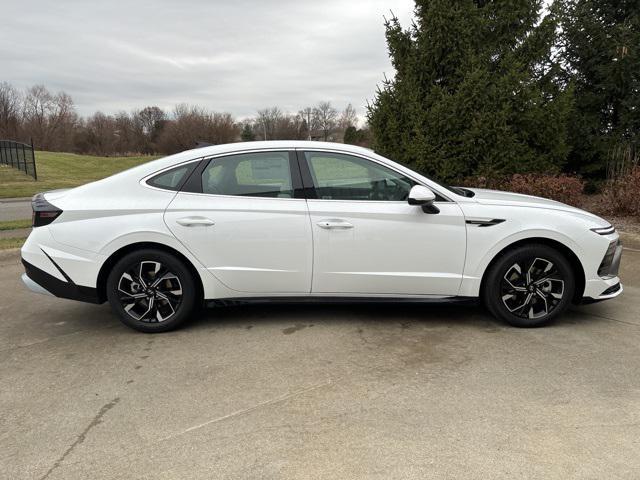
point(398, 391)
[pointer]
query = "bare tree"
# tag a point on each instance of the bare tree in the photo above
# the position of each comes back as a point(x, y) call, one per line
point(62, 122)
point(325, 117)
point(49, 118)
point(98, 135)
point(149, 123)
point(348, 118)
point(268, 120)
point(10, 100)
point(309, 120)
point(128, 134)
point(36, 109)
point(191, 124)
point(151, 119)
point(222, 128)
point(299, 127)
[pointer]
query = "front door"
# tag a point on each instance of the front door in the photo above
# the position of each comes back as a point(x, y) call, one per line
point(246, 224)
point(369, 240)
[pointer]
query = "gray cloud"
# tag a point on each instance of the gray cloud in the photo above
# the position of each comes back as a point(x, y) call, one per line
point(229, 56)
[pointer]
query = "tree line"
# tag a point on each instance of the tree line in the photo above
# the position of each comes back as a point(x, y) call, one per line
point(51, 121)
point(489, 88)
point(482, 88)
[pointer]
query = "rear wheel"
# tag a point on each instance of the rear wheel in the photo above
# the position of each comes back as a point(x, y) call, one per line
point(151, 291)
point(529, 286)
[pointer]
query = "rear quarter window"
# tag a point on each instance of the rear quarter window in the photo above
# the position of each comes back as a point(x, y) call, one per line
point(171, 179)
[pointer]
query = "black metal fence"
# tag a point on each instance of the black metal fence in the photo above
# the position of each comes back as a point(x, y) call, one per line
point(19, 155)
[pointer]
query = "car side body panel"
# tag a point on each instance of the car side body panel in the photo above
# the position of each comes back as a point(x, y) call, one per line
point(271, 248)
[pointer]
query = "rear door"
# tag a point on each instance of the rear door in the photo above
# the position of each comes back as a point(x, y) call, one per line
point(247, 222)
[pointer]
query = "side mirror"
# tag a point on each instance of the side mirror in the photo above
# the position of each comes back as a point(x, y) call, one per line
point(420, 195)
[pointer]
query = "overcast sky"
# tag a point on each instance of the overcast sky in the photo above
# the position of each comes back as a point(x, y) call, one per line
point(236, 56)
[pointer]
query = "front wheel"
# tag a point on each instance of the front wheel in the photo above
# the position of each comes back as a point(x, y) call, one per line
point(151, 291)
point(529, 286)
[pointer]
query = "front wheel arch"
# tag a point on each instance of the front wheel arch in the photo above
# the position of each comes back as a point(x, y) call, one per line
point(572, 258)
point(107, 266)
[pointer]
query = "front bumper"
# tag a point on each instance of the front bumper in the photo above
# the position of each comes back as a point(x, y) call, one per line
point(607, 284)
point(611, 292)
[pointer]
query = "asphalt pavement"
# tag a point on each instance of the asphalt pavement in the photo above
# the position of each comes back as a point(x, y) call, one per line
point(316, 392)
point(15, 209)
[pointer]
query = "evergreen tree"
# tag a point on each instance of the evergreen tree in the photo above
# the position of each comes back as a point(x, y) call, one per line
point(247, 134)
point(475, 92)
point(356, 136)
point(601, 49)
point(351, 135)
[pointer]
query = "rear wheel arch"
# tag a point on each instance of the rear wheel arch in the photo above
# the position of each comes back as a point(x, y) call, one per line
point(107, 266)
point(572, 258)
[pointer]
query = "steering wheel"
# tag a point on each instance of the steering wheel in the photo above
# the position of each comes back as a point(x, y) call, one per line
point(377, 190)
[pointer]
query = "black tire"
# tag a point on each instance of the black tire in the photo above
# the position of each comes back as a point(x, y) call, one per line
point(151, 291)
point(534, 300)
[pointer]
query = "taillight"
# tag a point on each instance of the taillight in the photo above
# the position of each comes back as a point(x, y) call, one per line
point(43, 212)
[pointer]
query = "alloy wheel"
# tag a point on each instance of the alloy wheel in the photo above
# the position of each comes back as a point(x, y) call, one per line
point(150, 292)
point(532, 288)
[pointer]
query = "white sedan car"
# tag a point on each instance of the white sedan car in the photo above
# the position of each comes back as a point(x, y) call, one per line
point(309, 221)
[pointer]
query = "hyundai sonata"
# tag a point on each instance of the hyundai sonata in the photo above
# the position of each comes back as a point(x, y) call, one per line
point(310, 221)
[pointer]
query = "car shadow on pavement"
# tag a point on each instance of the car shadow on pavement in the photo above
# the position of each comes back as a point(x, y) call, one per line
point(473, 317)
point(241, 316)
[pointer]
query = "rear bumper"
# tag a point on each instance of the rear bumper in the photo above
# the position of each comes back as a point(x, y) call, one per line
point(39, 281)
point(33, 286)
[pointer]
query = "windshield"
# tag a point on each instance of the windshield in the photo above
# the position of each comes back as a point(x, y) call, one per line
point(463, 192)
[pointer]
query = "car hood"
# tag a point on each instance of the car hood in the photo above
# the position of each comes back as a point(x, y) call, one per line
point(496, 197)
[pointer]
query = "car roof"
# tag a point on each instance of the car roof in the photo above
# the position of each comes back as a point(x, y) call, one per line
point(136, 174)
point(243, 146)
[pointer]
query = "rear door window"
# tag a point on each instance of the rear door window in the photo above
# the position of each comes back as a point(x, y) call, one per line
point(262, 174)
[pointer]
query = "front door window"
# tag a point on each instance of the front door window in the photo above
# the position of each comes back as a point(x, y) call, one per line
point(344, 177)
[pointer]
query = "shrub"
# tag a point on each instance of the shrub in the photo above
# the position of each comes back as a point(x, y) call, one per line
point(592, 187)
point(563, 188)
point(622, 194)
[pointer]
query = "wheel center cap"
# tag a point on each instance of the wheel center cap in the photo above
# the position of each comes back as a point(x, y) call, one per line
point(532, 288)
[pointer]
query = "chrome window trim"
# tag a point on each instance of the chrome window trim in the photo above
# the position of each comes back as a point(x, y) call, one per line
point(143, 181)
point(247, 197)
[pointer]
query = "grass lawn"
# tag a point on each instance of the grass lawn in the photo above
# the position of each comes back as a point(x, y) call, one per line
point(62, 170)
point(6, 243)
point(15, 224)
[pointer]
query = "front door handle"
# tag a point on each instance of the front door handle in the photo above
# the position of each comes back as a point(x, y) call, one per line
point(334, 224)
point(195, 222)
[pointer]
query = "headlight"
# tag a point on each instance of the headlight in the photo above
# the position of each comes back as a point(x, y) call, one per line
point(604, 230)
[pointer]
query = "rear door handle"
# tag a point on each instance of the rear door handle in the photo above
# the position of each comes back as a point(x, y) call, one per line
point(195, 222)
point(334, 224)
